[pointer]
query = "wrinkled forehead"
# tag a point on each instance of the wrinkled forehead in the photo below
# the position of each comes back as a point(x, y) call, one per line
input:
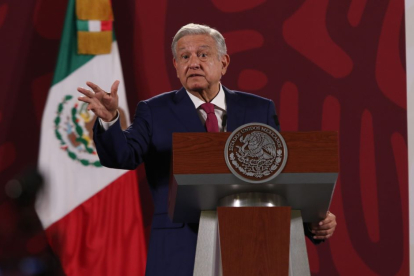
point(196, 42)
point(191, 48)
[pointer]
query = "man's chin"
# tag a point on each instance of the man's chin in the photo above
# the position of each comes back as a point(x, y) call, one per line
point(196, 87)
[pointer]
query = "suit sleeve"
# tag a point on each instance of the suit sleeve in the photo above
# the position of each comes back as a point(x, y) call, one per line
point(125, 149)
point(272, 119)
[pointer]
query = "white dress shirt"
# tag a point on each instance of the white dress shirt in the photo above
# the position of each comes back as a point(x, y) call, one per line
point(220, 109)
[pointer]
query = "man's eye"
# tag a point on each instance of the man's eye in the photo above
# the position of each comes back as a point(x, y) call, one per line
point(184, 56)
point(202, 55)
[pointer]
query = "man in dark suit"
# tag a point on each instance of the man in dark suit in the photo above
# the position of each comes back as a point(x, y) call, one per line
point(200, 58)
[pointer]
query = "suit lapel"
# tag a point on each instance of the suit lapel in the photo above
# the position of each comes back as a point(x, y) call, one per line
point(235, 110)
point(184, 109)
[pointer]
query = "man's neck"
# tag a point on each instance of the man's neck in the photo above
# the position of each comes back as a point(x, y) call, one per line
point(206, 95)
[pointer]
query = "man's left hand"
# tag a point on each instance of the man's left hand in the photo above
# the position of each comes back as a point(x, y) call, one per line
point(324, 229)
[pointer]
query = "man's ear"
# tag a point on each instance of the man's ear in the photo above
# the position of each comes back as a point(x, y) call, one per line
point(225, 61)
point(175, 66)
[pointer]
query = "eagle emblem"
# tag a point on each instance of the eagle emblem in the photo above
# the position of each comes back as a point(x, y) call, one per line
point(73, 128)
point(256, 152)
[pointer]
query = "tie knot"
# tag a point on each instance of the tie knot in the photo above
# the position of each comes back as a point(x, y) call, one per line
point(208, 107)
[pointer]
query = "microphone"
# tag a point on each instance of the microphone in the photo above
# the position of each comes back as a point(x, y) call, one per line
point(224, 121)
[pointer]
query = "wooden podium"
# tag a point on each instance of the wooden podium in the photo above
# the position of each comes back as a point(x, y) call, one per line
point(261, 239)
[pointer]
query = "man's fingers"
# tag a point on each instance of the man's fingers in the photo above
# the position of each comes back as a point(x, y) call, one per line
point(94, 87)
point(325, 221)
point(89, 101)
point(325, 225)
point(322, 237)
point(323, 234)
point(323, 231)
point(86, 92)
point(92, 107)
point(114, 88)
point(331, 224)
point(328, 219)
point(325, 228)
point(85, 99)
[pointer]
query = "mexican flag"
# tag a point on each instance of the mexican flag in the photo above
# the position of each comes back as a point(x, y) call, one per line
point(91, 214)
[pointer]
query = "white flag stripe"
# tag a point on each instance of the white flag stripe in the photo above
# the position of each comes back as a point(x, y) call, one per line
point(68, 183)
point(94, 25)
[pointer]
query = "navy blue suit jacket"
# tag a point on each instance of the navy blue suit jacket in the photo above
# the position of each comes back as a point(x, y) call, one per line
point(149, 139)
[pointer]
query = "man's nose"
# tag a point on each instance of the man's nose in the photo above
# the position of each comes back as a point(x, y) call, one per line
point(194, 62)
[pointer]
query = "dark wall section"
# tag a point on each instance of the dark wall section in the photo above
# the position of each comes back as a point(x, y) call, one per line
point(327, 65)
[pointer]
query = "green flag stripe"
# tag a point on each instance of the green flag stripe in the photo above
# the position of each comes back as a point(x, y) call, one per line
point(68, 59)
point(82, 25)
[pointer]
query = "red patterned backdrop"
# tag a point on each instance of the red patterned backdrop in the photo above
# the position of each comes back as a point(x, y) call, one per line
point(327, 65)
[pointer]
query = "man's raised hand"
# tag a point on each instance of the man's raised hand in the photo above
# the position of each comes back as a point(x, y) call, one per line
point(103, 104)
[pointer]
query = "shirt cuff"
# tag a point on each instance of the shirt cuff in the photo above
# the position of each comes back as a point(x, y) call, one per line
point(106, 125)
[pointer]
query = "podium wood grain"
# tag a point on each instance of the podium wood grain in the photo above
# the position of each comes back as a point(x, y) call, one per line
point(203, 153)
point(254, 240)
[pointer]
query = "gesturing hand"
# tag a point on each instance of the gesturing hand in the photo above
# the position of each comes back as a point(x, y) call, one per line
point(103, 104)
point(325, 228)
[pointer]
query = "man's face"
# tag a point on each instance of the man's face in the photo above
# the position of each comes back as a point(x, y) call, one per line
point(198, 65)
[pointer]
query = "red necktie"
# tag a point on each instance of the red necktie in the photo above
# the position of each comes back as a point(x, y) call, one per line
point(211, 122)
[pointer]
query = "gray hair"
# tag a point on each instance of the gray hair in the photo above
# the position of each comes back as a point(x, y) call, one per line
point(196, 29)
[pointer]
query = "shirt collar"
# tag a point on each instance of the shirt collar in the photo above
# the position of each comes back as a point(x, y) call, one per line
point(219, 100)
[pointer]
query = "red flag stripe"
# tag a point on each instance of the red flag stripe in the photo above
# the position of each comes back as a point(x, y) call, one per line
point(106, 26)
point(104, 235)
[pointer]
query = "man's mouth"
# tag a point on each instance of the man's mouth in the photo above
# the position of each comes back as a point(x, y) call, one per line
point(195, 75)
